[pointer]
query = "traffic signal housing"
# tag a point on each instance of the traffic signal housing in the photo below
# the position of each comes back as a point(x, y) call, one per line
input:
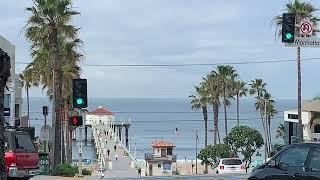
point(79, 89)
point(45, 110)
point(288, 27)
point(76, 121)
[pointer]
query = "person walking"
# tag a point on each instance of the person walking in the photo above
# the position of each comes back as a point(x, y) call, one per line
point(116, 157)
point(115, 147)
point(139, 172)
point(108, 152)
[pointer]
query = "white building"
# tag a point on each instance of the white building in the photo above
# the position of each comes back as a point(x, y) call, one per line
point(100, 116)
point(12, 95)
point(310, 133)
point(159, 163)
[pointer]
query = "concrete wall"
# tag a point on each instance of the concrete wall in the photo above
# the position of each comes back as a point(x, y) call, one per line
point(9, 48)
point(157, 169)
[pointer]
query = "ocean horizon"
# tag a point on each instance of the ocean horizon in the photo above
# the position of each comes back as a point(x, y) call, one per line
point(157, 118)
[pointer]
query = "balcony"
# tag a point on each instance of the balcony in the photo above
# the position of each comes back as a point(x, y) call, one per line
point(152, 157)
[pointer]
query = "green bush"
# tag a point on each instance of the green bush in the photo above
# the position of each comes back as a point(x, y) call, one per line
point(86, 172)
point(66, 170)
point(69, 170)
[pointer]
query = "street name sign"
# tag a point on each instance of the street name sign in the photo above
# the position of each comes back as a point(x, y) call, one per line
point(313, 42)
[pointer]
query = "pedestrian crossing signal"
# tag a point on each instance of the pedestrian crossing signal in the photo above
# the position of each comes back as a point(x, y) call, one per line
point(76, 121)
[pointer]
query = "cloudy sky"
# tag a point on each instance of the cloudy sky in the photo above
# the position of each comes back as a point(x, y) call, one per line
point(173, 32)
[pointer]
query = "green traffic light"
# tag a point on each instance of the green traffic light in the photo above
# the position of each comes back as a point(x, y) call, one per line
point(289, 36)
point(79, 101)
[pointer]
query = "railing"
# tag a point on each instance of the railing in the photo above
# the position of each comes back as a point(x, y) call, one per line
point(152, 157)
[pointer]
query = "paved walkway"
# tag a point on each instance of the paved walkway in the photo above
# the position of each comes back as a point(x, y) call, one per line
point(120, 167)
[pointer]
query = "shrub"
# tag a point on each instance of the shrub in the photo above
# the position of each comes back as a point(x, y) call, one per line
point(66, 170)
point(86, 172)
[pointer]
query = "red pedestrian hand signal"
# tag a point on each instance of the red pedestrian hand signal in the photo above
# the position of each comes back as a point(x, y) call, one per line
point(75, 121)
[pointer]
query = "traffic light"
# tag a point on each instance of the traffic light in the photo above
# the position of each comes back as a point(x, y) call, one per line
point(76, 121)
point(79, 88)
point(288, 27)
point(45, 110)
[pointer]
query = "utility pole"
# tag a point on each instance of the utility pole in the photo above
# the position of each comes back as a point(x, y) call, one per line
point(80, 145)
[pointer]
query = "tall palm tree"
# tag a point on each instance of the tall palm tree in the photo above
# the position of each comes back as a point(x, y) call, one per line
point(258, 88)
point(199, 100)
point(211, 85)
point(50, 19)
point(226, 76)
point(303, 10)
point(240, 90)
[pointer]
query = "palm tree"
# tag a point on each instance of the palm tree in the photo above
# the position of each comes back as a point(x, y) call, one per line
point(302, 10)
point(211, 85)
point(49, 20)
point(280, 131)
point(239, 91)
point(258, 87)
point(226, 76)
point(199, 100)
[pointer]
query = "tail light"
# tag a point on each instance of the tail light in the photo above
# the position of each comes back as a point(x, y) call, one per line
point(242, 167)
point(11, 159)
point(221, 167)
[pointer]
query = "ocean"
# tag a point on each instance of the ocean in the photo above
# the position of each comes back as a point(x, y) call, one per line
point(157, 119)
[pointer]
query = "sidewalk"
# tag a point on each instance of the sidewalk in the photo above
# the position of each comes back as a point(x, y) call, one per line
point(120, 167)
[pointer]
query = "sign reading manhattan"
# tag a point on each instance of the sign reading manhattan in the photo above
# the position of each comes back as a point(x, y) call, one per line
point(305, 42)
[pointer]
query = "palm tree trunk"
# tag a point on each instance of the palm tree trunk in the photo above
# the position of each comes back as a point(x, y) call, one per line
point(68, 139)
point(238, 122)
point(28, 105)
point(265, 136)
point(300, 135)
point(269, 131)
point(4, 74)
point(225, 118)
point(205, 117)
point(57, 97)
point(215, 121)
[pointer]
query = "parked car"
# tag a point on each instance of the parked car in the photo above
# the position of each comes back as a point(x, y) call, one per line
point(21, 156)
point(297, 161)
point(230, 165)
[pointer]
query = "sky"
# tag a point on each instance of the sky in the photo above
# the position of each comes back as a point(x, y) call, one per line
point(173, 32)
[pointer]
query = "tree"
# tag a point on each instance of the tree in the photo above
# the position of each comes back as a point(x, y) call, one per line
point(226, 75)
point(212, 88)
point(280, 131)
point(244, 140)
point(49, 22)
point(303, 10)
point(239, 91)
point(214, 153)
point(5, 67)
point(263, 101)
point(199, 100)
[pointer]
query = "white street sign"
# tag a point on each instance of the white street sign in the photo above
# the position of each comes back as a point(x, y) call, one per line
point(313, 42)
point(306, 28)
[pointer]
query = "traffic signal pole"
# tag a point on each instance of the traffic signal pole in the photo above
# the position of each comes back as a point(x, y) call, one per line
point(80, 146)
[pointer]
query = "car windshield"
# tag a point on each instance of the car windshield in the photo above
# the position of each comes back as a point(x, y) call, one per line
point(231, 162)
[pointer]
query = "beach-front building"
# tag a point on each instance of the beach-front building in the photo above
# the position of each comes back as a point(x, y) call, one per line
point(159, 163)
point(99, 115)
point(311, 132)
point(13, 92)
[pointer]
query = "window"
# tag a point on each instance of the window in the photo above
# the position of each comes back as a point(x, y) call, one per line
point(7, 100)
point(23, 143)
point(316, 128)
point(232, 162)
point(17, 111)
point(294, 157)
point(159, 165)
point(314, 164)
point(169, 151)
point(292, 116)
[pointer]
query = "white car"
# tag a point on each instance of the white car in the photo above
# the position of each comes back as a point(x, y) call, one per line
point(230, 165)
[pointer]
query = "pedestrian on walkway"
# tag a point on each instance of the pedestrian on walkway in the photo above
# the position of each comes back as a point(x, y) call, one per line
point(115, 147)
point(139, 172)
point(106, 142)
point(116, 157)
point(108, 151)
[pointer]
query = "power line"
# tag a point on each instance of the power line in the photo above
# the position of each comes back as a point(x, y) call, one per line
point(192, 64)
